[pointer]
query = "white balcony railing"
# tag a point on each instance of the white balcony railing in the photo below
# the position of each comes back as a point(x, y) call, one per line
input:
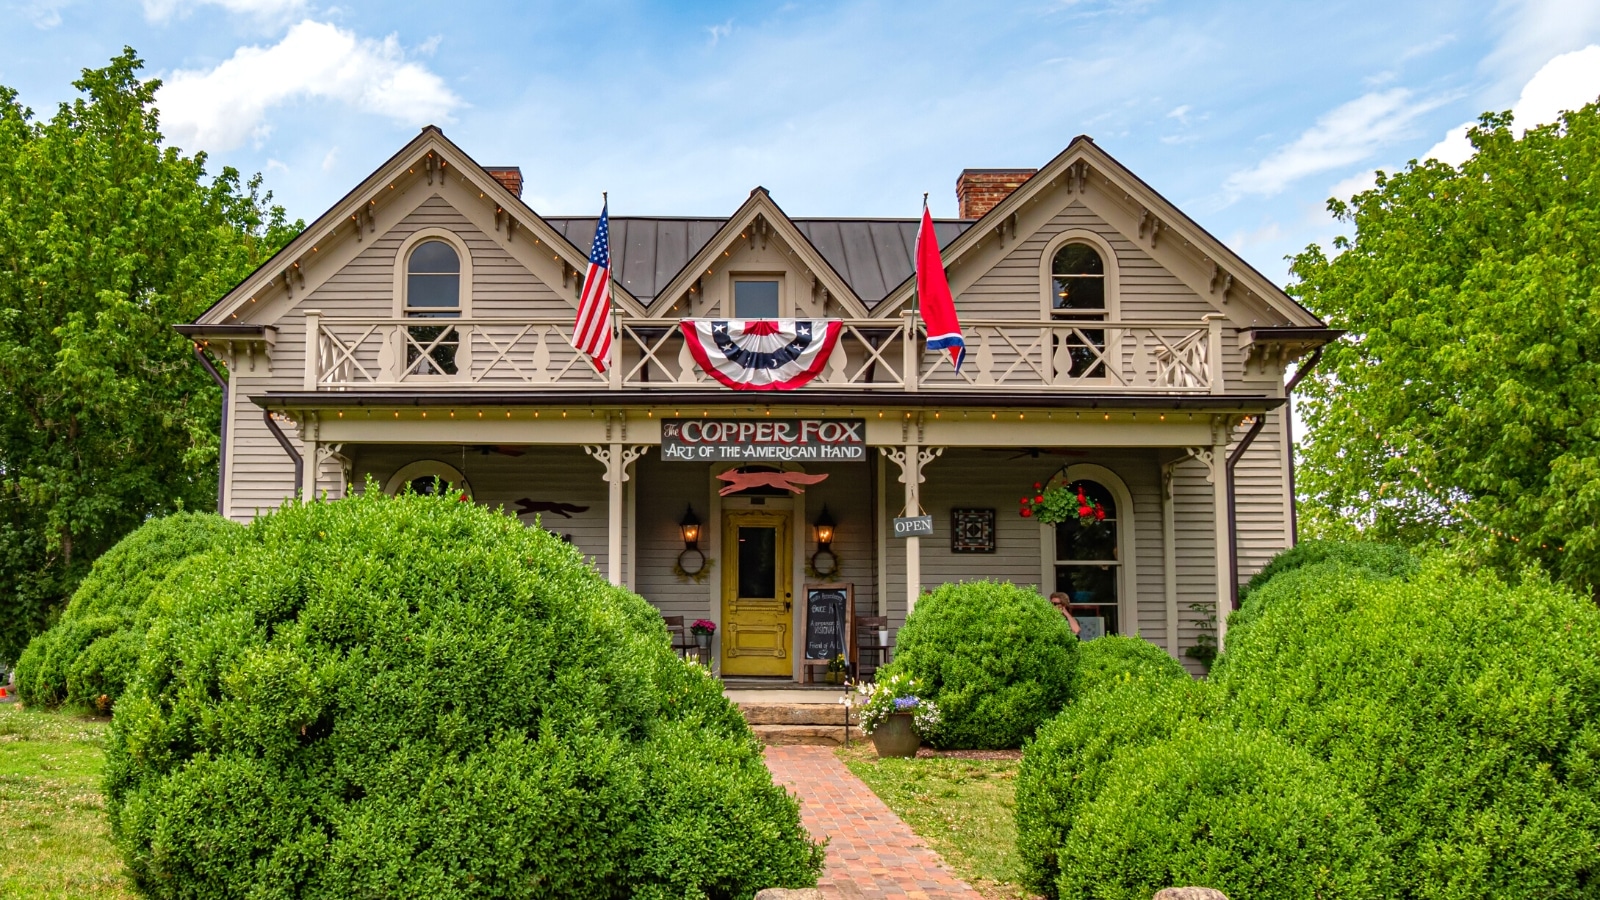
point(355, 353)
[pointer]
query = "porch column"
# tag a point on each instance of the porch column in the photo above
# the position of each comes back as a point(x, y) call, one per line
point(308, 472)
point(1169, 559)
point(1217, 462)
point(616, 457)
point(911, 460)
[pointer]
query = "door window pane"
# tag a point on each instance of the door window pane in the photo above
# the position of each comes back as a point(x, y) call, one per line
point(758, 562)
point(755, 299)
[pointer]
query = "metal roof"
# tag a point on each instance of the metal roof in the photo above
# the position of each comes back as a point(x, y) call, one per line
point(872, 255)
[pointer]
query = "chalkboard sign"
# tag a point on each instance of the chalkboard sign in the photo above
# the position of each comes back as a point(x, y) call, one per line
point(830, 620)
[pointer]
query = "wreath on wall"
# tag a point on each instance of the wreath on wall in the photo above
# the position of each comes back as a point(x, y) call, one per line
point(699, 575)
point(1054, 502)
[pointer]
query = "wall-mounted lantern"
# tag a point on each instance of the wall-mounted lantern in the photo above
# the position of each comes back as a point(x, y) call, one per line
point(823, 562)
point(689, 527)
point(692, 560)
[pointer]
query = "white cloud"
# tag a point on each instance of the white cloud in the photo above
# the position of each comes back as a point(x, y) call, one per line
point(1566, 82)
point(272, 10)
point(1532, 30)
point(1180, 113)
point(44, 14)
point(1347, 134)
point(331, 160)
point(1364, 180)
point(718, 32)
point(221, 108)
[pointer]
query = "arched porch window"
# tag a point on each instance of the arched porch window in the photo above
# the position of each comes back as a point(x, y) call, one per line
point(1089, 559)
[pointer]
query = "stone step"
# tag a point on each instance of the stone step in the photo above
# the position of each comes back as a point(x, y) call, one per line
point(809, 735)
point(795, 713)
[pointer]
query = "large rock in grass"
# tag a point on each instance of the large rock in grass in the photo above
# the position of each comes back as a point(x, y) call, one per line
point(417, 697)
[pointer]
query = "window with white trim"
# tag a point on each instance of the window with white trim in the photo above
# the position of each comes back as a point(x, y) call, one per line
point(1088, 560)
point(755, 298)
point(1078, 295)
point(433, 291)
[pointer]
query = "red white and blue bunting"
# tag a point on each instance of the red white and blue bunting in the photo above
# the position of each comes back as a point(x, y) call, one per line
point(761, 354)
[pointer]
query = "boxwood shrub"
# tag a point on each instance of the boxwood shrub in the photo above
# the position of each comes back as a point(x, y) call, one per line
point(1065, 765)
point(997, 658)
point(1464, 710)
point(1377, 558)
point(417, 697)
point(1239, 811)
point(86, 658)
point(1115, 658)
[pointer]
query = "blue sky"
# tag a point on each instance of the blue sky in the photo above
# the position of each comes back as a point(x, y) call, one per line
point(1248, 115)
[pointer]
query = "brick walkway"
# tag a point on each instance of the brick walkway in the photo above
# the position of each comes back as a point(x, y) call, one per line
point(872, 855)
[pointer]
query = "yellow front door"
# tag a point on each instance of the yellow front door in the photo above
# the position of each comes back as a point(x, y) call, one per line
point(757, 593)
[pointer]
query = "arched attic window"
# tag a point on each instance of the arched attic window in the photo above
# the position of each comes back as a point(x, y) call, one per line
point(433, 291)
point(1078, 277)
point(1078, 294)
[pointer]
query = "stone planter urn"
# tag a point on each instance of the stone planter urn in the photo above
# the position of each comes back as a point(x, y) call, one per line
point(702, 640)
point(895, 737)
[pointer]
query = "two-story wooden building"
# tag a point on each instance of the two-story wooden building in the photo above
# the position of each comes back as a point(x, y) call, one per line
point(419, 331)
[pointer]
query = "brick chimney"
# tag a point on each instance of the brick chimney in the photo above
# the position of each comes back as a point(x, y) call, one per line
point(510, 177)
point(980, 190)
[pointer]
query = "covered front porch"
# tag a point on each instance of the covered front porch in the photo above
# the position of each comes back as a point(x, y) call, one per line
point(1156, 566)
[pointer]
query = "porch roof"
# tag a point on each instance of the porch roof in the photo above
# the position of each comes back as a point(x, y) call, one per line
point(608, 399)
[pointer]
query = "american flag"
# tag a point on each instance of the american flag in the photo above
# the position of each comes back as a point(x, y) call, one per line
point(591, 333)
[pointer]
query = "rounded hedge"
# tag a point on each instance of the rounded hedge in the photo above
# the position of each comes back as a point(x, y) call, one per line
point(997, 658)
point(1376, 558)
point(1464, 710)
point(417, 697)
point(86, 659)
point(1116, 658)
point(1242, 812)
point(1065, 765)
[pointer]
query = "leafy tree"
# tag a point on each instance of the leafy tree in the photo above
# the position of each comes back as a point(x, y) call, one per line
point(107, 238)
point(1461, 408)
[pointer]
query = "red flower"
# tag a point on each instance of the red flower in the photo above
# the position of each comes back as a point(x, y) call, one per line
point(1039, 499)
point(1027, 513)
point(1099, 513)
point(1037, 486)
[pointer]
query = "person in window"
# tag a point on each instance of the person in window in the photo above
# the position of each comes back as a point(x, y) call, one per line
point(1059, 601)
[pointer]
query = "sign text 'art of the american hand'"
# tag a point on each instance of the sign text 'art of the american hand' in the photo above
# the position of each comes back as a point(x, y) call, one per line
point(758, 440)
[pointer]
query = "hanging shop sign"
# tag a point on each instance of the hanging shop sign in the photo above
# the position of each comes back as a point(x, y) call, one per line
point(764, 440)
point(913, 526)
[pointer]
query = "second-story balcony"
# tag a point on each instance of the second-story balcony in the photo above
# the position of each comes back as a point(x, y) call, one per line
point(872, 355)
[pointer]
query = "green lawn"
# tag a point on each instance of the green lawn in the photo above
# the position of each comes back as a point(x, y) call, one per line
point(963, 808)
point(53, 837)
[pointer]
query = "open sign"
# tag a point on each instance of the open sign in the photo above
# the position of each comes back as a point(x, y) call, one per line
point(913, 526)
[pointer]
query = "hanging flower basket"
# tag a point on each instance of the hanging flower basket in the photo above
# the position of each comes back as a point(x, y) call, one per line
point(1061, 503)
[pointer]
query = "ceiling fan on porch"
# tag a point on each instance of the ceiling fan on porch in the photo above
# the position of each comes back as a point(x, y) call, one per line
point(1035, 452)
point(501, 449)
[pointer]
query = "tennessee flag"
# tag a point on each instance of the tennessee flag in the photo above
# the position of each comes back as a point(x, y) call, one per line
point(933, 295)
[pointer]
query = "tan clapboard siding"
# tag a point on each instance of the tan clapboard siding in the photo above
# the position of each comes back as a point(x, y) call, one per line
point(1148, 292)
point(501, 286)
point(260, 474)
point(1260, 489)
point(663, 489)
point(970, 478)
point(666, 487)
point(559, 474)
point(1141, 472)
point(848, 492)
point(1196, 551)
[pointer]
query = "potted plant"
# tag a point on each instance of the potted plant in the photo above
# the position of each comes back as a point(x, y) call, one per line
point(896, 716)
point(837, 668)
point(703, 629)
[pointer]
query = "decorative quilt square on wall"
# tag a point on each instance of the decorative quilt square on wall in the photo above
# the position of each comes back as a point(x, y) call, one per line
point(971, 531)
